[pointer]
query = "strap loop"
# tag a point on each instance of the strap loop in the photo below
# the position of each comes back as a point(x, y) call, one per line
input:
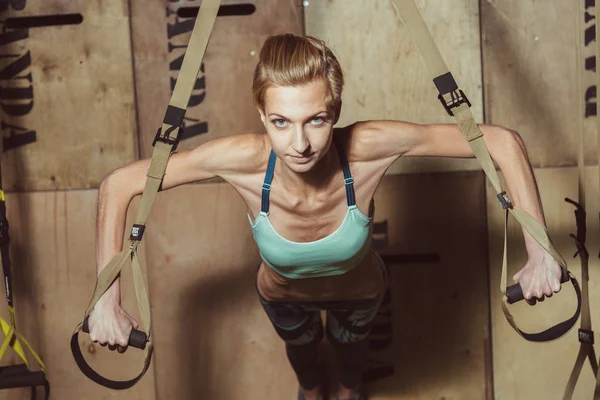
point(505, 200)
point(586, 336)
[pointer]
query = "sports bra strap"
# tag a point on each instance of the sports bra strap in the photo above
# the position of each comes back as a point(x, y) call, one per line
point(266, 189)
point(348, 181)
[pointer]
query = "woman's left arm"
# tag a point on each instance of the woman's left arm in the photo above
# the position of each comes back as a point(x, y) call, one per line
point(393, 139)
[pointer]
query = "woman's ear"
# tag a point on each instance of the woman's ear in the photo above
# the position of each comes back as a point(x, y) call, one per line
point(262, 116)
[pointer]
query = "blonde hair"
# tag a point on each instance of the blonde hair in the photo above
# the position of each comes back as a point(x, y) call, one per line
point(290, 60)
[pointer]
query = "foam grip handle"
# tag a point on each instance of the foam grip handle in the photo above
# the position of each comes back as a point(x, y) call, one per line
point(514, 293)
point(137, 338)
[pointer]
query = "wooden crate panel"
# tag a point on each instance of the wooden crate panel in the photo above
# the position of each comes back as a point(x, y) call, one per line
point(530, 76)
point(211, 334)
point(530, 370)
point(386, 77)
point(433, 337)
point(221, 104)
point(67, 102)
point(53, 254)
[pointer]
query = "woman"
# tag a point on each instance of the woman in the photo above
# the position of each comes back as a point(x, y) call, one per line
point(309, 189)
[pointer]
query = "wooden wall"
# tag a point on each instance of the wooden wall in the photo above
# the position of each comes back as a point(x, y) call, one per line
point(68, 111)
point(221, 103)
point(97, 102)
point(386, 77)
point(530, 76)
point(438, 308)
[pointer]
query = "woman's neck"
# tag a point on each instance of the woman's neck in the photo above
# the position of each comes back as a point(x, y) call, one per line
point(309, 183)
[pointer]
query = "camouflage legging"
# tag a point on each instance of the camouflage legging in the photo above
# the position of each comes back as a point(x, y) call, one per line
point(348, 325)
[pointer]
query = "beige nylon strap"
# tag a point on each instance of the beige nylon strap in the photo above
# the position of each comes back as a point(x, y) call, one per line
point(163, 147)
point(464, 118)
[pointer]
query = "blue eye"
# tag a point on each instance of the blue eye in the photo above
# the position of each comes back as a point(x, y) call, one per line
point(317, 120)
point(280, 123)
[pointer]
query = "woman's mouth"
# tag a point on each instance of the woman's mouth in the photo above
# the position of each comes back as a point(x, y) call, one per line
point(301, 159)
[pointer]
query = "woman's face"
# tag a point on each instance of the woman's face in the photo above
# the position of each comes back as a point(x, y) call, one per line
point(298, 124)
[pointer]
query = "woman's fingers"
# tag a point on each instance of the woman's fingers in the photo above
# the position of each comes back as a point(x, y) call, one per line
point(517, 276)
point(112, 329)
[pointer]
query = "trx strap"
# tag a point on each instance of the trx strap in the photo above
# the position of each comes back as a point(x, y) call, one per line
point(585, 334)
point(15, 376)
point(165, 143)
point(458, 106)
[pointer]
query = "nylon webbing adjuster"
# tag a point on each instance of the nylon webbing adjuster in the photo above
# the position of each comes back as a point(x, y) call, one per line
point(446, 84)
point(174, 117)
point(137, 232)
point(458, 98)
point(167, 139)
point(348, 181)
point(586, 336)
point(266, 186)
point(505, 200)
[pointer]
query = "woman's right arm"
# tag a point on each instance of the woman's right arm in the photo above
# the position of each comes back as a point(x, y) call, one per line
point(223, 157)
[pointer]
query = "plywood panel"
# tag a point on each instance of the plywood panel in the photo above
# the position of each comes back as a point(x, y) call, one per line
point(386, 77)
point(529, 59)
point(221, 104)
point(526, 370)
point(213, 339)
point(67, 102)
point(438, 310)
point(53, 252)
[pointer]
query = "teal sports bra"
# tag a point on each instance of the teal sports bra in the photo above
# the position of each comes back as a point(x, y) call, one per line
point(332, 255)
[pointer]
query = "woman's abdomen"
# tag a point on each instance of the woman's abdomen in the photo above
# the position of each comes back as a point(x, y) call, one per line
point(365, 281)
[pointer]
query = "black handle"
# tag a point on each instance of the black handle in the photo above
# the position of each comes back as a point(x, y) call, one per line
point(514, 293)
point(137, 338)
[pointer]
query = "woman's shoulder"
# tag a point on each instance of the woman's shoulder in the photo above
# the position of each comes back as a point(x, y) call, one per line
point(245, 153)
point(373, 141)
point(354, 140)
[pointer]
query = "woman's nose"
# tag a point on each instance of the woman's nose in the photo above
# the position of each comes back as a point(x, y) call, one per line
point(300, 141)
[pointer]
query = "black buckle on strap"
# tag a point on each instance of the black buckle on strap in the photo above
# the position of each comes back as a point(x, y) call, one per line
point(137, 232)
point(458, 98)
point(586, 336)
point(505, 200)
point(167, 139)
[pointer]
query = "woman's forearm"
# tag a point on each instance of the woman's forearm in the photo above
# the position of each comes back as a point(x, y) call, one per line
point(113, 201)
point(511, 156)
